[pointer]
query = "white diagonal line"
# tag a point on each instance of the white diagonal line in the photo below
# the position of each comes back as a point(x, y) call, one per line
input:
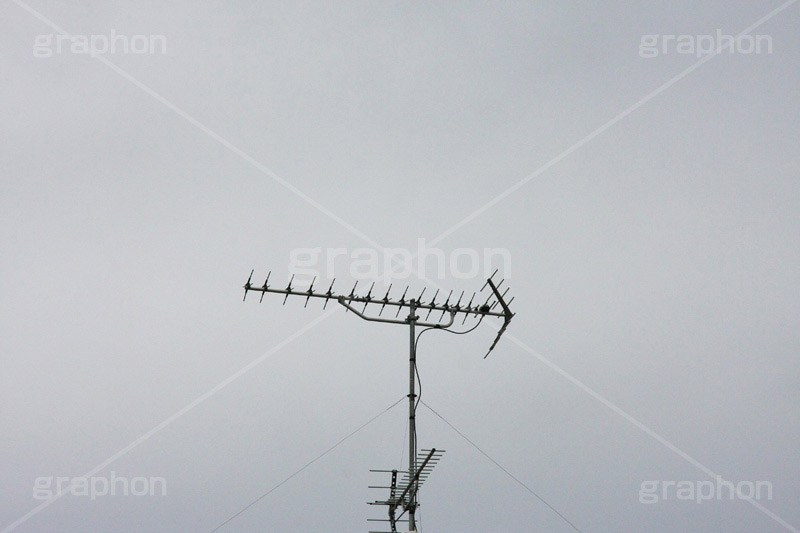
point(311, 462)
point(169, 420)
point(211, 133)
point(501, 467)
point(556, 160)
point(664, 442)
point(661, 440)
point(586, 140)
point(253, 162)
point(497, 199)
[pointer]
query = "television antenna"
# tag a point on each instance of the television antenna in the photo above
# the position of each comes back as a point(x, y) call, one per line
point(403, 493)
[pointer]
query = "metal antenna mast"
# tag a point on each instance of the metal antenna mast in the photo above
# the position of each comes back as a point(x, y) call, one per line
point(403, 495)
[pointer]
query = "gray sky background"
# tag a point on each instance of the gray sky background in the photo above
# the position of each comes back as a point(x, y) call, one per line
point(658, 264)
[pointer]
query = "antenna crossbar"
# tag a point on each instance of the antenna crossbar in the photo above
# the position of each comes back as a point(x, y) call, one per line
point(403, 492)
point(477, 310)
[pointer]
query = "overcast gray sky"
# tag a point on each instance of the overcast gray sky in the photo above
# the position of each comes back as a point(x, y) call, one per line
point(655, 259)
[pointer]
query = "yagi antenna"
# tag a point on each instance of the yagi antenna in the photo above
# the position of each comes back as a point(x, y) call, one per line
point(404, 492)
point(489, 307)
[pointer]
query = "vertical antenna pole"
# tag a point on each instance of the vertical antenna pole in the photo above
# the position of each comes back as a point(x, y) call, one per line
point(412, 430)
point(418, 467)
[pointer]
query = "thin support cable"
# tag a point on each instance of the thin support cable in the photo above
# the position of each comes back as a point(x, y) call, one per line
point(498, 465)
point(416, 368)
point(314, 460)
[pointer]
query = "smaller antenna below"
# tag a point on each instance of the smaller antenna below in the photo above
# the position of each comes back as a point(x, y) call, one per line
point(403, 492)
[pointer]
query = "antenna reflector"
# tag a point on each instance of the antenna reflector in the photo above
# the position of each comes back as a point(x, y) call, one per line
point(490, 277)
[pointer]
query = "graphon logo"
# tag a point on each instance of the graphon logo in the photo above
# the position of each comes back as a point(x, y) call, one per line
point(399, 263)
point(45, 45)
point(699, 45)
point(700, 491)
point(45, 488)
